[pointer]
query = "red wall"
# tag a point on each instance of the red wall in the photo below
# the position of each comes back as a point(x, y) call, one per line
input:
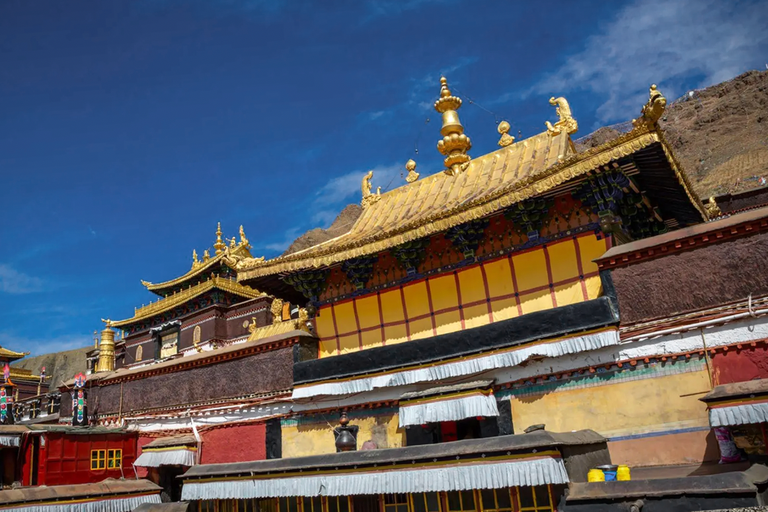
point(143, 441)
point(740, 365)
point(66, 458)
point(238, 443)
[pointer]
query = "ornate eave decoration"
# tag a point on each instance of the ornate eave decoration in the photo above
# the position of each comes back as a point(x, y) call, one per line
point(652, 110)
point(178, 298)
point(712, 209)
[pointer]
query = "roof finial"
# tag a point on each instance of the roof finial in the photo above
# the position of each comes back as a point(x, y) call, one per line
point(243, 239)
point(369, 197)
point(195, 261)
point(410, 166)
point(566, 122)
point(454, 144)
point(506, 139)
point(219, 245)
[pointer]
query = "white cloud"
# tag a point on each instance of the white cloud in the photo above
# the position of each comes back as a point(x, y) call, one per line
point(282, 244)
point(379, 8)
point(347, 186)
point(39, 346)
point(14, 282)
point(662, 42)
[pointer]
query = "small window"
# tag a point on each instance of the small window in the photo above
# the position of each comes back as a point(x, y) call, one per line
point(534, 499)
point(461, 501)
point(425, 502)
point(139, 353)
point(114, 459)
point(496, 500)
point(338, 504)
point(169, 344)
point(396, 503)
point(98, 459)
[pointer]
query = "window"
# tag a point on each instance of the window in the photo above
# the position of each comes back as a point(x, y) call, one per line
point(534, 499)
point(338, 504)
point(114, 459)
point(496, 500)
point(395, 502)
point(139, 353)
point(98, 459)
point(425, 502)
point(289, 504)
point(460, 501)
point(169, 344)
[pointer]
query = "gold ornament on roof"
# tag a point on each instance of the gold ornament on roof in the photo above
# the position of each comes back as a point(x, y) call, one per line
point(243, 239)
point(566, 122)
point(206, 255)
point(219, 245)
point(195, 261)
point(651, 111)
point(368, 197)
point(455, 143)
point(713, 210)
point(232, 242)
point(506, 139)
point(277, 310)
point(410, 166)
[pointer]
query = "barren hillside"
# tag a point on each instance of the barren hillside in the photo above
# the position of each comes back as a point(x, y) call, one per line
point(341, 225)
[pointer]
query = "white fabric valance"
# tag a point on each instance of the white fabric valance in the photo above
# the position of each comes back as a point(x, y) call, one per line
point(448, 408)
point(465, 366)
point(97, 505)
point(743, 414)
point(459, 477)
point(177, 456)
point(12, 441)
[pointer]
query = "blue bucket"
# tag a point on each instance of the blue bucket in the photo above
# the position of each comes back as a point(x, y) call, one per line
point(609, 470)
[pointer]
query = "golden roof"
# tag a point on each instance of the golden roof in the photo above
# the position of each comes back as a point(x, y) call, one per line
point(224, 255)
point(11, 355)
point(178, 298)
point(488, 184)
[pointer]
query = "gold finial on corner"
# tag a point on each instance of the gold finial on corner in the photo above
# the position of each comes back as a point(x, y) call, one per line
point(455, 143)
point(195, 261)
point(107, 322)
point(712, 209)
point(506, 139)
point(410, 166)
point(243, 240)
point(232, 242)
point(219, 245)
point(206, 255)
point(652, 110)
point(369, 197)
point(566, 122)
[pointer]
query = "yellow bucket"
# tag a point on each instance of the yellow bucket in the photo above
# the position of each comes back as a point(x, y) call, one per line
point(595, 475)
point(622, 473)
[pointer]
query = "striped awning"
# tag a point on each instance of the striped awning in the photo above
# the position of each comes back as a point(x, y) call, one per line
point(739, 412)
point(513, 471)
point(168, 456)
point(100, 504)
point(468, 365)
point(448, 407)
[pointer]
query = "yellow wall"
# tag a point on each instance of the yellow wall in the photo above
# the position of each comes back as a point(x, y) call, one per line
point(472, 296)
point(657, 404)
point(316, 437)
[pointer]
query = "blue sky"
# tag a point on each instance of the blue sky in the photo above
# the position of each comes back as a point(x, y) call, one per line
point(129, 128)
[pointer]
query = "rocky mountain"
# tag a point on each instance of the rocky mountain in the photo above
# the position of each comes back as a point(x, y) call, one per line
point(340, 225)
point(59, 366)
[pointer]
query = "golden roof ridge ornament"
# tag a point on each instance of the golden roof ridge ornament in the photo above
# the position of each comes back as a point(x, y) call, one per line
point(410, 166)
point(219, 245)
point(712, 209)
point(566, 122)
point(506, 139)
point(651, 111)
point(455, 143)
point(368, 197)
point(195, 262)
point(243, 240)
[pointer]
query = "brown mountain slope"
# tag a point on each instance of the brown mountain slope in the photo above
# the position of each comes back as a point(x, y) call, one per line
point(720, 134)
point(340, 225)
point(59, 366)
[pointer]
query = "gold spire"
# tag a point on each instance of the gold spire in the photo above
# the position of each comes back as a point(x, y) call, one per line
point(106, 362)
point(454, 144)
point(410, 166)
point(219, 245)
point(243, 239)
point(195, 261)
